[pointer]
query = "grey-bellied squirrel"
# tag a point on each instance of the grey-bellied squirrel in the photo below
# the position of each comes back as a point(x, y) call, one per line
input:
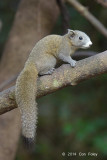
point(42, 60)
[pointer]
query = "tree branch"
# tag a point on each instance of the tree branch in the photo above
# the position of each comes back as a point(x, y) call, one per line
point(78, 55)
point(102, 2)
point(0, 25)
point(65, 15)
point(62, 77)
point(93, 20)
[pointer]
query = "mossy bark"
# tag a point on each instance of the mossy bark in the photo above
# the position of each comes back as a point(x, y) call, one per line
point(62, 77)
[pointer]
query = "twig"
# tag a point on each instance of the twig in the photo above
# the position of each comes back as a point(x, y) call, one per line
point(1, 24)
point(65, 15)
point(93, 20)
point(63, 76)
point(83, 54)
point(102, 2)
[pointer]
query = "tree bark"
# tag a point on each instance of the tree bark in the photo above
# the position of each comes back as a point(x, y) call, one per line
point(34, 20)
point(62, 77)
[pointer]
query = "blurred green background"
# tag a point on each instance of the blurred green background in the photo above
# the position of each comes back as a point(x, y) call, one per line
point(73, 119)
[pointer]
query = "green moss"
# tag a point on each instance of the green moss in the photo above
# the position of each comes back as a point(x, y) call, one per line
point(55, 83)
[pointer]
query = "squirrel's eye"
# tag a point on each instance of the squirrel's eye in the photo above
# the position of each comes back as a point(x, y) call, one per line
point(80, 38)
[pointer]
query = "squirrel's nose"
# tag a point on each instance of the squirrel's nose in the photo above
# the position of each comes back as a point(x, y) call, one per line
point(90, 43)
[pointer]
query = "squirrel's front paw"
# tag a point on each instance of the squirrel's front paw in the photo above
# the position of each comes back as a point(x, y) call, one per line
point(51, 71)
point(73, 63)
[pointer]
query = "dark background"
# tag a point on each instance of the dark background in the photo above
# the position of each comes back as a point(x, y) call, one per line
point(73, 119)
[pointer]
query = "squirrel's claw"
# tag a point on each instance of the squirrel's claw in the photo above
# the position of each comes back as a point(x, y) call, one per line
point(73, 63)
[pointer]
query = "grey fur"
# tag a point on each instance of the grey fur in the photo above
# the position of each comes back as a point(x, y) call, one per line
point(42, 60)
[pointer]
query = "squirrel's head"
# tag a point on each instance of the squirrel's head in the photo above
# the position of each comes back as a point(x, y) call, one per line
point(79, 39)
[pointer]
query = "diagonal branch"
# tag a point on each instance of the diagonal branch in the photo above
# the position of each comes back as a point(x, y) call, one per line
point(93, 20)
point(78, 55)
point(62, 77)
point(102, 2)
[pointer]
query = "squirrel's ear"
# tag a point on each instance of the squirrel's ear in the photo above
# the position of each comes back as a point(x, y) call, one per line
point(71, 33)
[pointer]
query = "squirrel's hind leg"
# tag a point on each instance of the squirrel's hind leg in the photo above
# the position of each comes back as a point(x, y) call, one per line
point(47, 66)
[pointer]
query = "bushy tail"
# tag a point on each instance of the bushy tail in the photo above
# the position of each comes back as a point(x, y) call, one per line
point(25, 93)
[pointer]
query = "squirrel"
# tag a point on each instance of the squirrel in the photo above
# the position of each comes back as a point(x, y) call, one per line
point(42, 60)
